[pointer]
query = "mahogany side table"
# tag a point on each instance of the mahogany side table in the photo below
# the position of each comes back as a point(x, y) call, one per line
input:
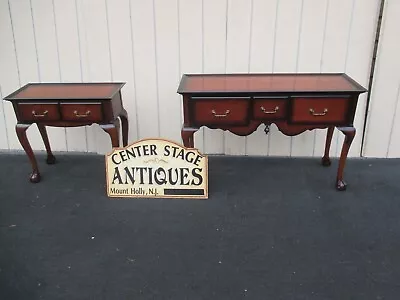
point(293, 102)
point(67, 105)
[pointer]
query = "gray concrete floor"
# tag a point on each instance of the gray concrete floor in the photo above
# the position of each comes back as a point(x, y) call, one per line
point(272, 228)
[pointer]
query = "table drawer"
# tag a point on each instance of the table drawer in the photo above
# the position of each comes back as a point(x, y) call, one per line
point(320, 109)
point(232, 111)
point(38, 111)
point(81, 112)
point(269, 108)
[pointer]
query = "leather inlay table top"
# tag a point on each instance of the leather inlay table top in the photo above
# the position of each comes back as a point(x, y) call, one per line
point(257, 83)
point(64, 91)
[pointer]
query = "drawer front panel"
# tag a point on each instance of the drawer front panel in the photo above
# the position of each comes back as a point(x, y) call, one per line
point(38, 112)
point(81, 112)
point(269, 108)
point(320, 110)
point(221, 111)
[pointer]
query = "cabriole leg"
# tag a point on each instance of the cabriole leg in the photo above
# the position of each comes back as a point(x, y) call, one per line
point(187, 136)
point(113, 132)
point(21, 134)
point(349, 133)
point(125, 127)
point(50, 157)
point(326, 161)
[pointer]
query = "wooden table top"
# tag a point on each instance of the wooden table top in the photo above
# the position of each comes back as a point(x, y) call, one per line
point(66, 91)
point(266, 83)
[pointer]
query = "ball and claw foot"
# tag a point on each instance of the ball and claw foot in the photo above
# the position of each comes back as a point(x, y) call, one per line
point(341, 185)
point(35, 177)
point(326, 161)
point(51, 160)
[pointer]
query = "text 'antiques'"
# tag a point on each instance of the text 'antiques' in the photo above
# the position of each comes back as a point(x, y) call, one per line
point(156, 168)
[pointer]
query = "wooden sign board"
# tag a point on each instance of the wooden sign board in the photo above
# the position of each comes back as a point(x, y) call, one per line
point(156, 168)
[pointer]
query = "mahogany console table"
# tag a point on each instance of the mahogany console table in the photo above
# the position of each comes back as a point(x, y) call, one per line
point(67, 105)
point(294, 102)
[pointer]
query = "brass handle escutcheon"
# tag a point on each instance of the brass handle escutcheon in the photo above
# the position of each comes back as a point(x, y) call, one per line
point(270, 112)
point(39, 115)
point(81, 116)
point(318, 114)
point(220, 115)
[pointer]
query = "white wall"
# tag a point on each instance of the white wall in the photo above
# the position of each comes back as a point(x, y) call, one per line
point(383, 127)
point(150, 44)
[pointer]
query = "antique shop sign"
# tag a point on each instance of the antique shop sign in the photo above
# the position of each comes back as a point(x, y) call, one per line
point(156, 168)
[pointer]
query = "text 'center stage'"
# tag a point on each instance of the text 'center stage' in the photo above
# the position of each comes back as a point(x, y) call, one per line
point(159, 168)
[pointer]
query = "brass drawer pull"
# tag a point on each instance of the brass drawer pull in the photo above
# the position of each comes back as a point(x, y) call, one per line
point(318, 114)
point(270, 112)
point(81, 116)
point(220, 115)
point(40, 115)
